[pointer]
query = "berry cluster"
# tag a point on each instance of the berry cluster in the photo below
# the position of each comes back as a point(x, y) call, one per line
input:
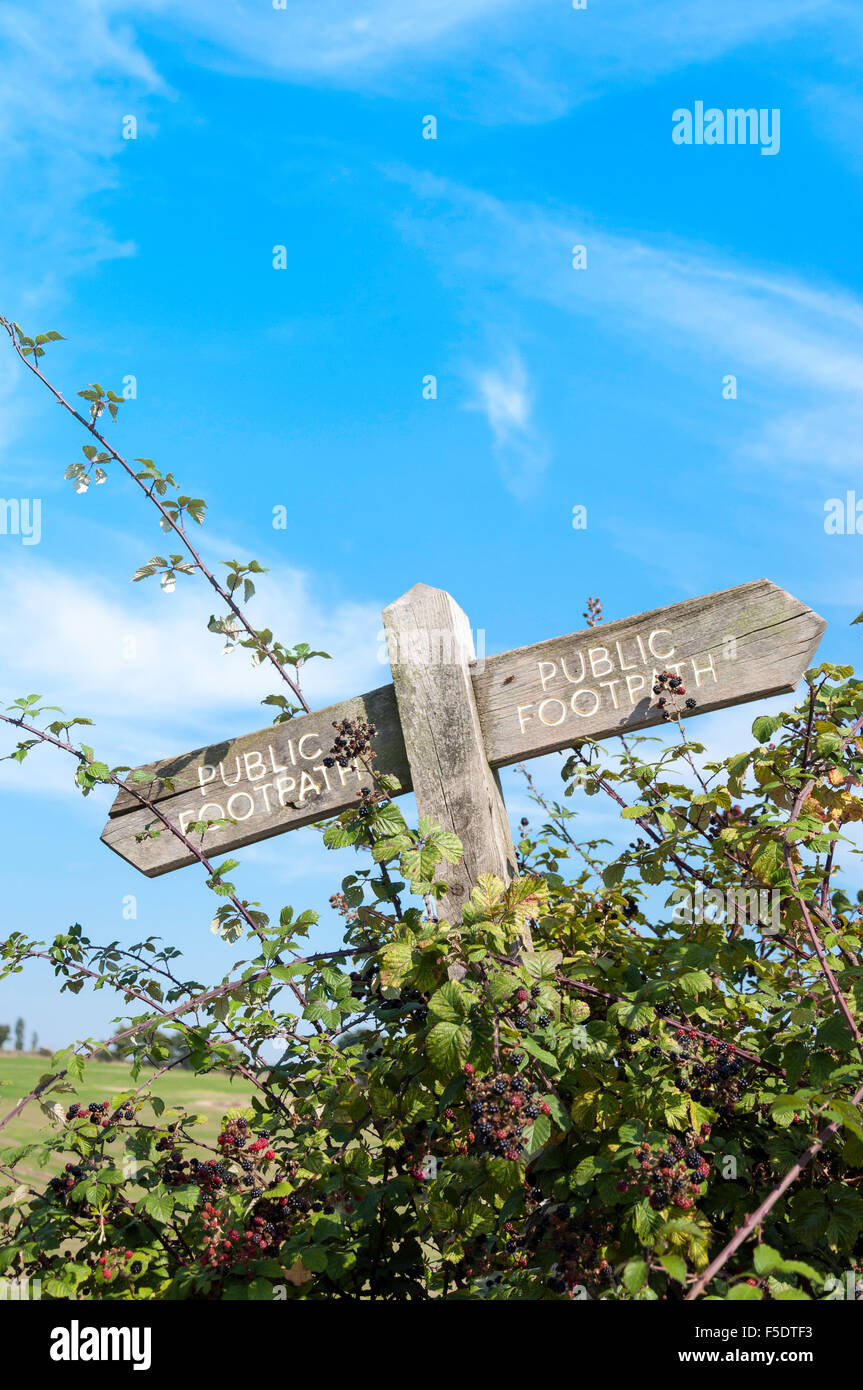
point(353, 740)
point(236, 1136)
point(340, 904)
point(500, 1108)
point(527, 1003)
point(711, 1072)
point(482, 1260)
point(593, 613)
point(723, 820)
point(578, 1245)
point(115, 1263)
point(97, 1113)
point(667, 687)
point(671, 1175)
point(414, 1151)
point(236, 1245)
point(71, 1175)
point(368, 800)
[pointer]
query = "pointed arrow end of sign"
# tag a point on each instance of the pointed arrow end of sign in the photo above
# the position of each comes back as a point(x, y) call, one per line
point(809, 627)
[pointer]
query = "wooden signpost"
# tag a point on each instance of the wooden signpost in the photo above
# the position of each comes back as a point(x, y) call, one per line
point(448, 722)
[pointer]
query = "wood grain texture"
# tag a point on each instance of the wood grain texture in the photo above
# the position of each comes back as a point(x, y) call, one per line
point(740, 644)
point(431, 648)
point(268, 781)
point(461, 721)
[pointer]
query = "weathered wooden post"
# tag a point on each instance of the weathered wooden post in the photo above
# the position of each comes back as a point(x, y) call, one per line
point(446, 725)
point(432, 654)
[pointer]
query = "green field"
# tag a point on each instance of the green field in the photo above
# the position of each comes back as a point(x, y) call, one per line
point(208, 1096)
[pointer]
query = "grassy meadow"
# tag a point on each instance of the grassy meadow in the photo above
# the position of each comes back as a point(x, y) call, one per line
point(206, 1096)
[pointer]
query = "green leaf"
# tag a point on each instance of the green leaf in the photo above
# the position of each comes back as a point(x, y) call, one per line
point(159, 1205)
point(450, 1003)
point(635, 1275)
point(538, 1134)
point(765, 1259)
point(448, 1045)
point(674, 1266)
point(765, 726)
point(505, 1175)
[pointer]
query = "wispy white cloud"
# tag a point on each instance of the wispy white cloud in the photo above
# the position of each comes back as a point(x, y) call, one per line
point(149, 672)
point(504, 396)
point(69, 76)
point(71, 73)
point(538, 57)
point(801, 345)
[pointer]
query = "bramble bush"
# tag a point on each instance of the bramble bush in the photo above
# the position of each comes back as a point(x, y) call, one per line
point(626, 1074)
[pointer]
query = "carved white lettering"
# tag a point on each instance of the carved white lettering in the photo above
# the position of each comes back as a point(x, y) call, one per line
point(550, 721)
point(522, 720)
point(576, 680)
point(585, 713)
point(318, 753)
point(699, 671)
point(258, 764)
point(651, 642)
point(600, 665)
point(551, 667)
point(238, 796)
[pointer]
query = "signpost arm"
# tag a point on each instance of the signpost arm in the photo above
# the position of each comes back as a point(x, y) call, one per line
point(431, 648)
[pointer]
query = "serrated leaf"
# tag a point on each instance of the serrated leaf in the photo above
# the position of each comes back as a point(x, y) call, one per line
point(448, 1045)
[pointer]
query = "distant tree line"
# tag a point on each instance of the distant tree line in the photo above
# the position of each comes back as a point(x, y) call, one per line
point(5, 1031)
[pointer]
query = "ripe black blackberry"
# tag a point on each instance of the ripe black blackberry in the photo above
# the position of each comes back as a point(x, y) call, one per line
point(353, 740)
point(500, 1129)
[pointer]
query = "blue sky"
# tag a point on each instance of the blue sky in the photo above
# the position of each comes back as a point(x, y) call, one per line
point(302, 127)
